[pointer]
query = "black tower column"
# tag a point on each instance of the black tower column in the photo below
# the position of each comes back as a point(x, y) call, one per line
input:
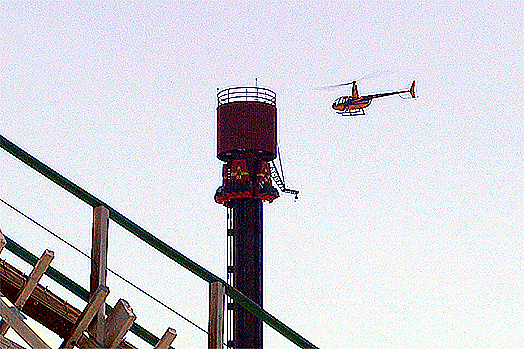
point(247, 269)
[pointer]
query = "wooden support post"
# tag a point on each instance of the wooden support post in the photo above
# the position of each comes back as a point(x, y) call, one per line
point(118, 323)
point(97, 300)
point(166, 339)
point(216, 315)
point(18, 322)
point(32, 281)
point(99, 266)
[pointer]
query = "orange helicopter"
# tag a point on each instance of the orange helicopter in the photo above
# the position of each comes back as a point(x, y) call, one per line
point(354, 105)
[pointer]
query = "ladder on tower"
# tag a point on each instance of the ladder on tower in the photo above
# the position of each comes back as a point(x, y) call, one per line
point(279, 180)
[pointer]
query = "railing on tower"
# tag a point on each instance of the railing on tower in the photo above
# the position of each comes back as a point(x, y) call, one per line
point(246, 94)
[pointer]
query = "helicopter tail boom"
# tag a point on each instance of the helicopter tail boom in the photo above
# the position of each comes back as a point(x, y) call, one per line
point(411, 91)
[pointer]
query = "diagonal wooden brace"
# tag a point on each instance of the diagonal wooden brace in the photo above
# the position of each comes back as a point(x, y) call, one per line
point(118, 322)
point(166, 339)
point(32, 281)
point(91, 309)
point(19, 323)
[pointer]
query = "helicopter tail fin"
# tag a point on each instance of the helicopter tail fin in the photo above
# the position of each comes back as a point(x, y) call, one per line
point(412, 89)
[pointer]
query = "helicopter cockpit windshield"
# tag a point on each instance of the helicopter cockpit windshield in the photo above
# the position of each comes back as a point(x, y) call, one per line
point(340, 100)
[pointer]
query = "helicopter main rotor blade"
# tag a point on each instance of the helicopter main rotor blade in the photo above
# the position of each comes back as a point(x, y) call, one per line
point(372, 75)
point(375, 74)
point(334, 87)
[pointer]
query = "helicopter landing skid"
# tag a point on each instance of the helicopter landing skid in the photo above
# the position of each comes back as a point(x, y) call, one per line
point(351, 113)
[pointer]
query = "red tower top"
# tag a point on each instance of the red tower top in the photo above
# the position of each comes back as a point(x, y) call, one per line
point(247, 123)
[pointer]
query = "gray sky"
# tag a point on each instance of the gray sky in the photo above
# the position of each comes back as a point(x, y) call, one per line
point(408, 228)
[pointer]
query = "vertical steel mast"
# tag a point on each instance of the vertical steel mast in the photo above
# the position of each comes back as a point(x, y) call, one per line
point(246, 120)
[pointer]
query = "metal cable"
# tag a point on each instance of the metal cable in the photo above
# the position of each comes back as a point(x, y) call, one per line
point(111, 271)
point(280, 162)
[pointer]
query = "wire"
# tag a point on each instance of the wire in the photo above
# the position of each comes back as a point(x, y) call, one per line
point(280, 162)
point(111, 271)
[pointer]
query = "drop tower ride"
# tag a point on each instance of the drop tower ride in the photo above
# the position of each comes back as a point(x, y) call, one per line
point(247, 142)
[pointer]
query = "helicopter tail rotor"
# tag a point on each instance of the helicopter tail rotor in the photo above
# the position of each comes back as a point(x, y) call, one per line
point(412, 90)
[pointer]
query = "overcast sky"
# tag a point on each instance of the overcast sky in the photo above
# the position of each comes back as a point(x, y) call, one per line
point(408, 229)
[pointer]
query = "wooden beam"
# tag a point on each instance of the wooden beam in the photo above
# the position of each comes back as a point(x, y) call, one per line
point(43, 306)
point(30, 285)
point(19, 323)
point(118, 323)
point(90, 311)
point(216, 315)
point(166, 339)
point(99, 266)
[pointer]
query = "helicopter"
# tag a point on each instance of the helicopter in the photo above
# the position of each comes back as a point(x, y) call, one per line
point(354, 105)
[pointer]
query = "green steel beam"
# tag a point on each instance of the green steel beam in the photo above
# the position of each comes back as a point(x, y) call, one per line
point(154, 242)
point(73, 287)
